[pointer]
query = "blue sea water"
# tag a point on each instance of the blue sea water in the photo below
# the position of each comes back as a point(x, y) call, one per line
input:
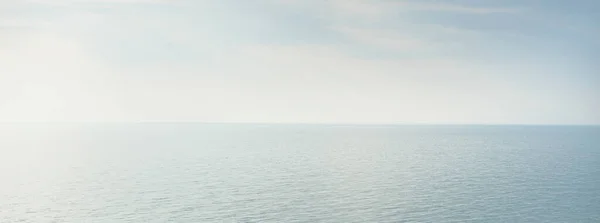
point(177, 172)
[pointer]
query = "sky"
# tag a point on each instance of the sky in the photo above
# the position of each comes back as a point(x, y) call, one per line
point(301, 61)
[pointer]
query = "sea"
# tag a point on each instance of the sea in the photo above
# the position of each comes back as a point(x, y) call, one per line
point(191, 172)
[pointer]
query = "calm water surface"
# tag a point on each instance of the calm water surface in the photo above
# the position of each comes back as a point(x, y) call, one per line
point(298, 173)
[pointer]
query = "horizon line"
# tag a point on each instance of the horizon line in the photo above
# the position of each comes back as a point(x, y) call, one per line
point(299, 123)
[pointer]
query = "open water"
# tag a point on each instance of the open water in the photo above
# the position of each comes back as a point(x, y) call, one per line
point(178, 172)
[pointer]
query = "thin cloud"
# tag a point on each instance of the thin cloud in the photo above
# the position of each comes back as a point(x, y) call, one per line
point(374, 23)
point(378, 8)
point(385, 38)
point(418, 6)
point(97, 1)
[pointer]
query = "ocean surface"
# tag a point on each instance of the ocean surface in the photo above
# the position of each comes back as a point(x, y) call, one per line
point(298, 173)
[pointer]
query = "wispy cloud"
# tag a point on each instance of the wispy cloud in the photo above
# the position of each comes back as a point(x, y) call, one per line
point(385, 25)
point(388, 39)
point(67, 2)
point(447, 7)
point(381, 7)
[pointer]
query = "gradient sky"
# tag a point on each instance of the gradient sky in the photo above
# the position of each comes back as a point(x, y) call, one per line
point(308, 61)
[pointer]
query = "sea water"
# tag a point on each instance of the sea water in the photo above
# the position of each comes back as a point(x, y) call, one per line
point(178, 172)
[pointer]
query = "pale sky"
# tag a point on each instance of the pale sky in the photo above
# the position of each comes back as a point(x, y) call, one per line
point(301, 61)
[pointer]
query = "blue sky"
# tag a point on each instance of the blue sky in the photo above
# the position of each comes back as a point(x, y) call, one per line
point(309, 61)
